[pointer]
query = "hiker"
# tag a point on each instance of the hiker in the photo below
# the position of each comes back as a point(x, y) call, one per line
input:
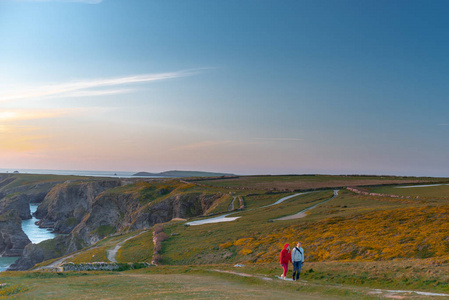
point(285, 258)
point(297, 260)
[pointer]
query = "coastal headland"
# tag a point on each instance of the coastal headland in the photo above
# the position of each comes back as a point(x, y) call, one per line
point(359, 232)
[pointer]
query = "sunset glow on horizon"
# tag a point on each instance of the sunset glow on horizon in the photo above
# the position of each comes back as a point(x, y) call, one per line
point(244, 87)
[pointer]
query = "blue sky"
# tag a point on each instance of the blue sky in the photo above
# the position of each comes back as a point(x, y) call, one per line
point(241, 86)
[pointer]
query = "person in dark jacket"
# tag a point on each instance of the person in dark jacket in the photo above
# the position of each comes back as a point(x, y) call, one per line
point(285, 259)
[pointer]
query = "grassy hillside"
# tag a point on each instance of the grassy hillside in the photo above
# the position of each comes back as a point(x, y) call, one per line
point(424, 191)
point(349, 227)
point(13, 182)
point(305, 182)
point(180, 174)
point(353, 244)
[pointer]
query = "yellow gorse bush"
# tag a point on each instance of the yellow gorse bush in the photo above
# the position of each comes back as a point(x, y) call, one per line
point(381, 235)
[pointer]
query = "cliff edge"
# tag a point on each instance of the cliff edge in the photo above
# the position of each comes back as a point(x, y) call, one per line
point(12, 238)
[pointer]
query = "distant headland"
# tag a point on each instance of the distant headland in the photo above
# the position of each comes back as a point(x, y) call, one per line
point(175, 173)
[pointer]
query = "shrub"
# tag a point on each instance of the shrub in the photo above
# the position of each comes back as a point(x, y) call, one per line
point(159, 238)
point(225, 245)
point(245, 251)
point(8, 290)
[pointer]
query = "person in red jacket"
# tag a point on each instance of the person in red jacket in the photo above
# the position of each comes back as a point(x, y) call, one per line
point(286, 257)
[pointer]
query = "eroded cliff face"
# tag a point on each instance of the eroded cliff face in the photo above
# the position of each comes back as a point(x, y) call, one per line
point(34, 192)
point(66, 204)
point(113, 212)
point(19, 196)
point(12, 238)
point(101, 208)
point(36, 253)
point(20, 203)
point(176, 206)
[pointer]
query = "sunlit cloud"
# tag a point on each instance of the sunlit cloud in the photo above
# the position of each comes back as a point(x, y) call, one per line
point(22, 115)
point(19, 138)
point(87, 87)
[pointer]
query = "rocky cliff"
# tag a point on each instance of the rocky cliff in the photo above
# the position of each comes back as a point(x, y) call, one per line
point(18, 194)
point(113, 212)
point(12, 238)
point(36, 253)
point(35, 192)
point(18, 202)
point(102, 208)
point(66, 204)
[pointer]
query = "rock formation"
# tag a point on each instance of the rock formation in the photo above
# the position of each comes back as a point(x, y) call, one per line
point(18, 202)
point(19, 196)
point(98, 211)
point(67, 203)
point(36, 253)
point(12, 238)
point(120, 212)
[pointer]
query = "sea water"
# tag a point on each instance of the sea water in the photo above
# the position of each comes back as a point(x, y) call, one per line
point(34, 233)
point(112, 174)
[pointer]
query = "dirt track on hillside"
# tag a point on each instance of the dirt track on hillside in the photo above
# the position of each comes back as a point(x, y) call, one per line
point(302, 213)
point(111, 253)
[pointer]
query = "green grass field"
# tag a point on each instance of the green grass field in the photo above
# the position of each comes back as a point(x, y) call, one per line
point(424, 192)
point(335, 280)
point(179, 283)
point(354, 244)
point(305, 182)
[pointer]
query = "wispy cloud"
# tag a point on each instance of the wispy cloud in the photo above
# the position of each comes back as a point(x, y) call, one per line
point(89, 87)
point(97, 93)
point(205, 144)
point(222, 143)
point(12, 116)
point(278, 139)
point(80, 1)
point(18, 138)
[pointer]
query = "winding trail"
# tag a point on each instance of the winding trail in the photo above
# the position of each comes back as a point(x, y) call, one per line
point(222, 218)
point(225, 218)
point(302, 213)
point(231, 206)
point(56, 263)
point(283, 199)
point(419, 186)
point(112, 253)
point(398, 294)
